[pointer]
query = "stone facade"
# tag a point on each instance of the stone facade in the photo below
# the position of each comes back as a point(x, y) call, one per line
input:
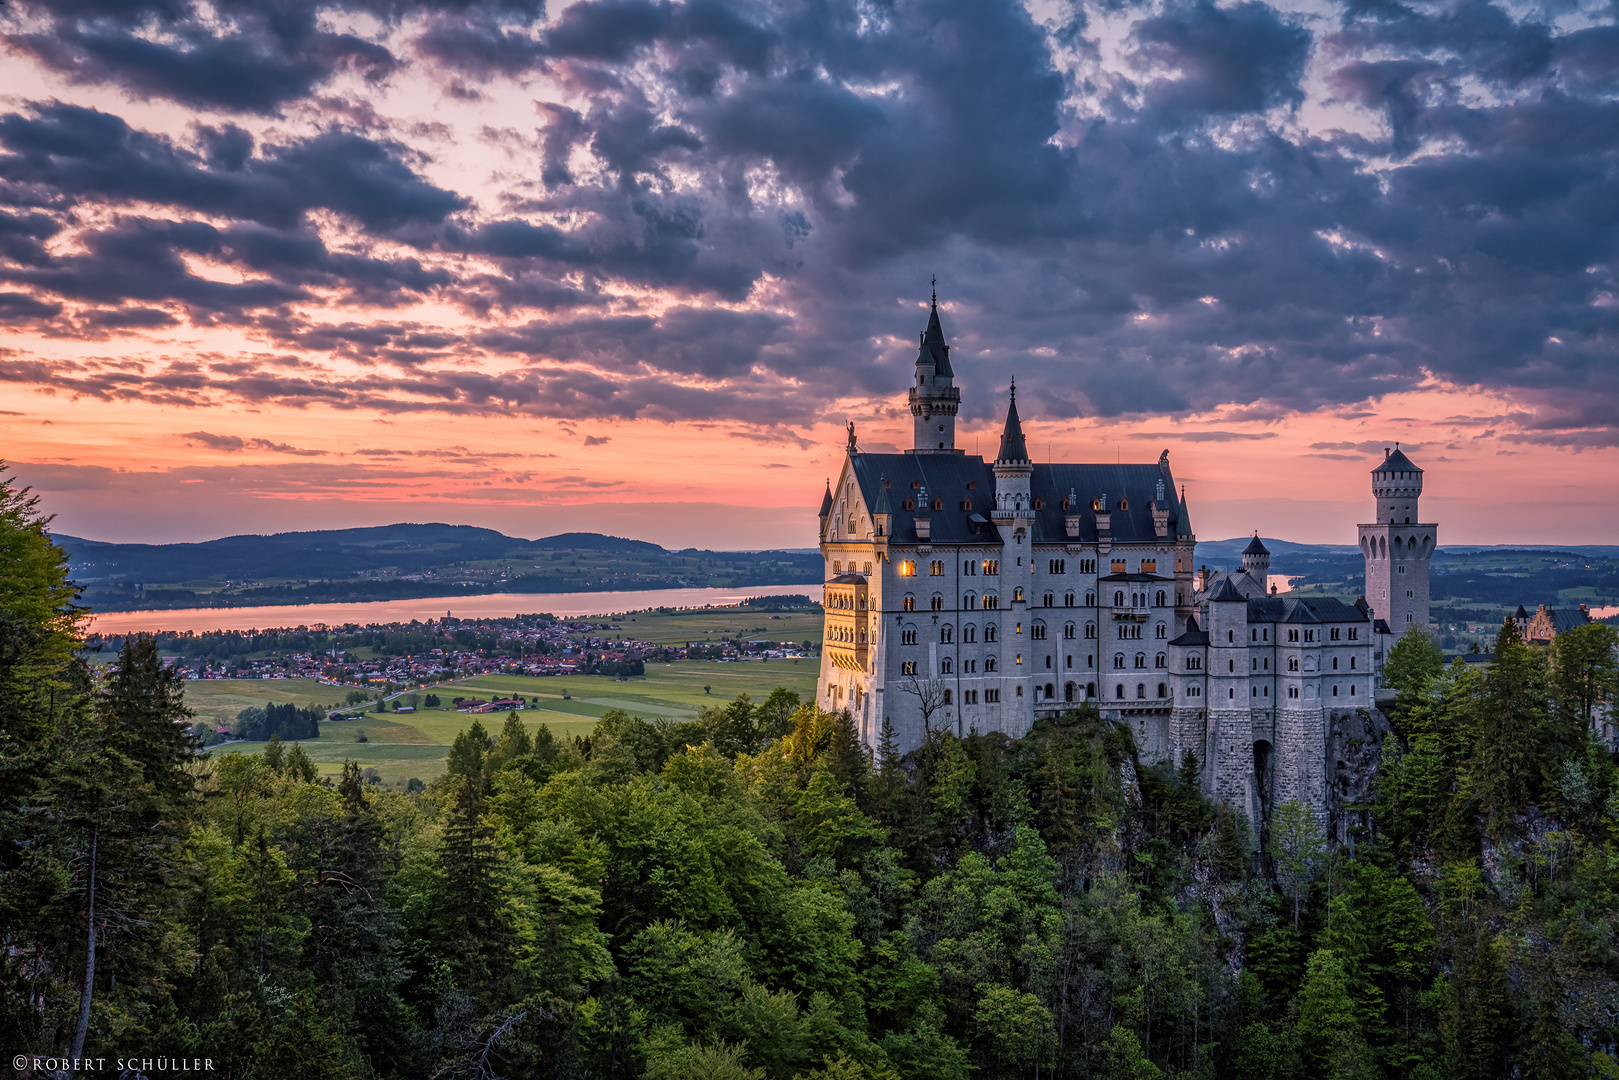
point(969, 594)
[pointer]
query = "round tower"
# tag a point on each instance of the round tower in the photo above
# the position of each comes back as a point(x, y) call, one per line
point(935, 400)
point(1398, 545)
point(1256, 561)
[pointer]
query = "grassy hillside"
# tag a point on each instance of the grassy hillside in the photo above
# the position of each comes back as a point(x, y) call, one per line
point(397, 562)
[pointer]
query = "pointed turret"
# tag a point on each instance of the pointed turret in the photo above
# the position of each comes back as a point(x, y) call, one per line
point(1256, 560)
point(826, 502)
point(934, 397)
point(1013, 446)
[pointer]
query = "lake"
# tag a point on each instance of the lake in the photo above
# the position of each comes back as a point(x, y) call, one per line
point(489, 606)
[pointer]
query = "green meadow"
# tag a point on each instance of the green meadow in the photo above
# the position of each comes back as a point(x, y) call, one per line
point(415, 744)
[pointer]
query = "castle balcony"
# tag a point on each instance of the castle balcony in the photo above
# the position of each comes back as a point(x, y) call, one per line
point(849, 657)
point(1132, 613)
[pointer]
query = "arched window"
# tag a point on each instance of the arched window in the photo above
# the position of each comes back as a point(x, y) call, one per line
point(989, 632)
point(1163, 631)
point(936, 568)
point(969, 601)
point(1118, 599)
point(1090, 690)
point(1118, 661)
point(1090, 599)
point(1068, 692)
point(1037, 631)
point(947, 633)
point(1141, 659)
point(989, 663)
point(1067, 599)
point(1090, 631)
point(937, 603)
point(1017, 594)
point(1160, 661)
point(969, 633)
point(1118, 692)
point(1068, 631)
point(1048, 600)
point(945, 666)
point(1141, 691)
point(1051, 691)
point(1163, 691)
point(908, 604)
point(948, 697)
point(1162, 596)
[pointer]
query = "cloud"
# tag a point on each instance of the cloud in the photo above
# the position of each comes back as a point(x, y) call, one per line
point(729, 211)
point(598, 440)
point(1205, 436)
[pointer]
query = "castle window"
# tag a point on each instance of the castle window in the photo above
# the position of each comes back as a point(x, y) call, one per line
point(969, 601)
point(989, 632)
point(991, 601)
point(1351, 689)
point(1162, 632)
point(837, 566)
point(1230, 636)
point(1124, 504)
point(1292, 635)
point(907, 568)
point(1048, 600)
point(1149, 566)
point(908, 668)
point(1335, 690)
point(1194, 663)
point(1163, 691)
point(1118, 692)
point(1334, 633)
point(947, 694)
point(1068, 692)
point(1069, 662)
point(1292, 691)
point(1160, 661)
point(1162, 596)
point(946, 633)
point(969, 633)
point(1090, 631)
point(1293, 663)
point(1118, 566)
point(907, 637)
point(1090, 599)
point(1118, 599)
point(1087, 566)
point(938, 504)
point(1141, 659)
point(989, 663)
point(908, 604)
point(1037, 631)
point(1067, 599)
point(1351, 663)
point(945, 666)
point(969, 697)
point(1017, 594)
point(1354, 633)
point(937, 602)
point(1039, 504)
point(1020, 691)
point(1068, 631)
point(936, 568)
point(910, 504)
point(1118, 661)
point(992, 696)
point(969, 568)
point(1335, 663)
point(1141, 688)
point(1058, 566)
point(992, 566)
point(967, 504)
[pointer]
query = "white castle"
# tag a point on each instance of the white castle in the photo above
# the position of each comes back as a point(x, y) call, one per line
point(964, 594)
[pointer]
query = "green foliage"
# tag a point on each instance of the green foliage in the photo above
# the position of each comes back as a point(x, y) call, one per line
point(754, 894)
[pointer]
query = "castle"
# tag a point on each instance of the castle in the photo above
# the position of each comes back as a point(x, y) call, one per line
point(969, 594)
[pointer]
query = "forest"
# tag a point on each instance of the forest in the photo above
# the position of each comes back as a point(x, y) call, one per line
point(753, 895)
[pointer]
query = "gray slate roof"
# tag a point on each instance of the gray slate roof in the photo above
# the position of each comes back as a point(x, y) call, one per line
point(947, 476)
point(1395, 462)
point(1315, 609)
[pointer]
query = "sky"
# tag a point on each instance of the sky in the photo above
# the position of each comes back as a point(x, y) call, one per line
point(631, 267)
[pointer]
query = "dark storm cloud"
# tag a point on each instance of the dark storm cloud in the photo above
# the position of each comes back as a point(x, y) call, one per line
point(249, 56)
point(1155, 239)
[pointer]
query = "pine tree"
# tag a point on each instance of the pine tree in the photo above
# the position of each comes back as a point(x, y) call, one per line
point(1510, 741)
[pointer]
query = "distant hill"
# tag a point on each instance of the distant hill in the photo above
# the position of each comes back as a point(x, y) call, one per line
point(405, 561)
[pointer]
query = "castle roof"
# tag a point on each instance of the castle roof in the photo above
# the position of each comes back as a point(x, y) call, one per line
point(1013, 447)
point(934, 350)
point(1129, 490)
point(1225, 593)
point(1192, 636)
point(826, 500)
point(1255, 547)
point(884, 504)
point(1315, 609)
point(1396, 461)
point(1520, 613)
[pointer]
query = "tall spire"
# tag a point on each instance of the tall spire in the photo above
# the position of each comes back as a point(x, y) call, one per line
point(935, 350)
point(1013, 446)
point(934, 399)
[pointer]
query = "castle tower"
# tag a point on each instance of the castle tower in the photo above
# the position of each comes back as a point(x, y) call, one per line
point(1256, 562)
point(1397, 545)
point(1229, 755)
point(934, 397)
point(1013, 514)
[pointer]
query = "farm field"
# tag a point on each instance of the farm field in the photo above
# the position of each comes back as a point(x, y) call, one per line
point(222, 699)
point(712, 624)
point(416, 744)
